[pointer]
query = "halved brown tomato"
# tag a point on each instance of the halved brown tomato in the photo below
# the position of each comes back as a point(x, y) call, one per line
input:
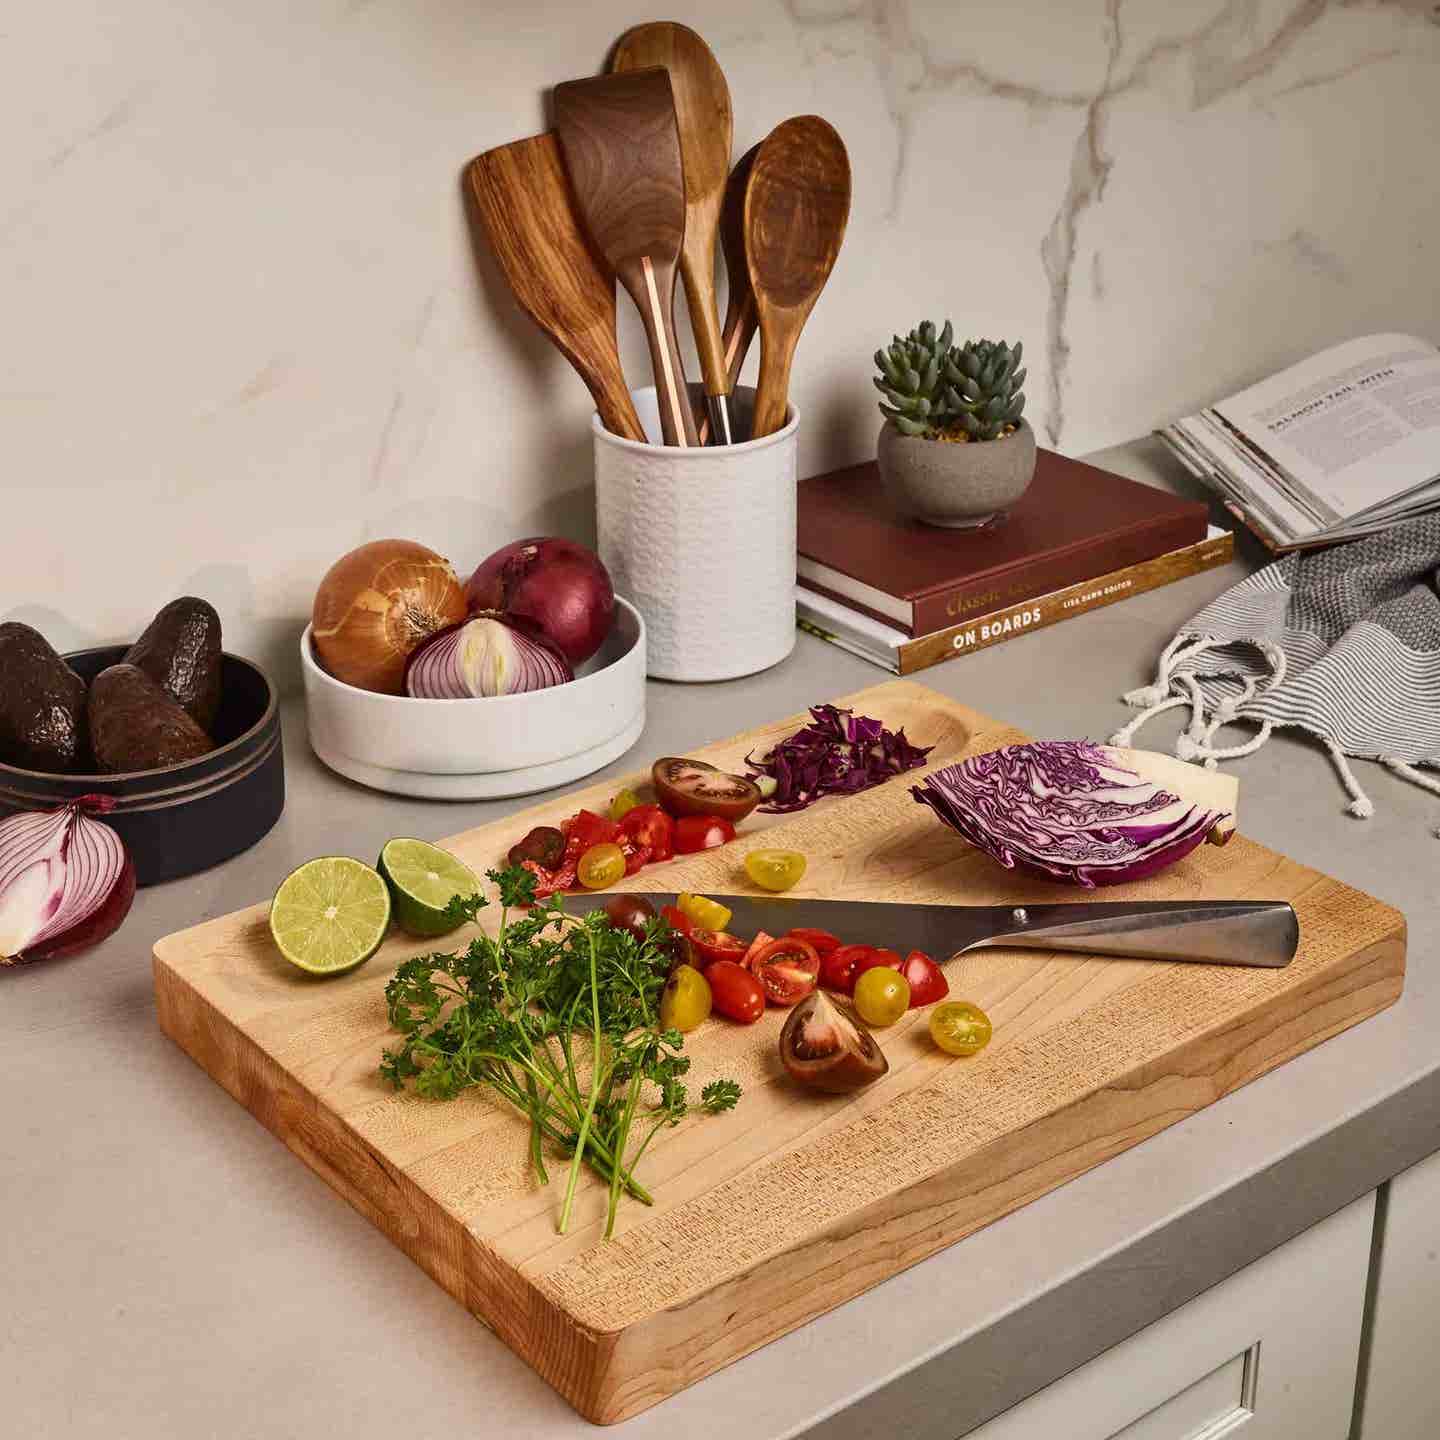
point(691, 787)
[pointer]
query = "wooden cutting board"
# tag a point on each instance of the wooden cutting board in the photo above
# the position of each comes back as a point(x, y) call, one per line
point(793, 1203)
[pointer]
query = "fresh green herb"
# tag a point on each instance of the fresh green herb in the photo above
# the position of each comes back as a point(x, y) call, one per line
point(559, 1014)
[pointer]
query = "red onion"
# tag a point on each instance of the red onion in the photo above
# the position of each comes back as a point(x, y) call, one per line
point(557, 586)
point(66, 881)
point(488, 655)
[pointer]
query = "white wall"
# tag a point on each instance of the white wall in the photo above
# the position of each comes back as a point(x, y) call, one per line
point(245, 326)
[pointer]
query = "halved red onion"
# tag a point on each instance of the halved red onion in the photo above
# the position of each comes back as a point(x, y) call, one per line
point(484, 656)
point(66, 881)
point(1082, 813)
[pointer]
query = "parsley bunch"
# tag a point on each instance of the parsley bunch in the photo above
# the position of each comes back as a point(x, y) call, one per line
point(560, 1015)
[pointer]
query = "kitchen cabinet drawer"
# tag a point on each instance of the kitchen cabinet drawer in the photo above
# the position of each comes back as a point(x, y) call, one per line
point(1269, 1354)
point(1401, 1398)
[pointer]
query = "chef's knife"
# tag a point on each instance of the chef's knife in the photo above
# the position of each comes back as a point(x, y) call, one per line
point(1218, 932)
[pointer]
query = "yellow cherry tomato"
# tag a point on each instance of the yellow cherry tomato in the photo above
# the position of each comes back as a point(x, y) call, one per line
point(706, 913)
point(882, 995)
point(775, 869)
point(959, 1028)
point(685, 1000)
point(623, 803)
point(600, 865)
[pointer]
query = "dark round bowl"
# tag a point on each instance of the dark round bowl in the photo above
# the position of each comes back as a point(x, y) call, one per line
point(181, 818)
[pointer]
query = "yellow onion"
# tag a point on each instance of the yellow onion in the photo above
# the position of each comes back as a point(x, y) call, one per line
point(374, 607)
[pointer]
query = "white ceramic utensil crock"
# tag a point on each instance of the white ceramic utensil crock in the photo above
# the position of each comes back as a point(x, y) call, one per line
point(702, 539)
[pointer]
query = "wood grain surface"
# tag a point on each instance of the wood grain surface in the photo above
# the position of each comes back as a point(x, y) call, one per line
point(796, 206)
point(706, 125)
point(621, 145)
point(524, 202)
point(793, 1203)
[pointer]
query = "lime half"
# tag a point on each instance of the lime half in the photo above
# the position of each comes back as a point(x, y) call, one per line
point(423, 879)
point(330, 915)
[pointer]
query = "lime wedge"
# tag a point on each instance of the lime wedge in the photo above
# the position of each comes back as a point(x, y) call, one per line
point(423, 879)
point(330, 915)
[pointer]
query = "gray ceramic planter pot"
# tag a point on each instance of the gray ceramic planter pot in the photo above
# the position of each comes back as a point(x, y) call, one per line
point(961, 487)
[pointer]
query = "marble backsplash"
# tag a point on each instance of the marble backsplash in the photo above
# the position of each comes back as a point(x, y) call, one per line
point(246, 325)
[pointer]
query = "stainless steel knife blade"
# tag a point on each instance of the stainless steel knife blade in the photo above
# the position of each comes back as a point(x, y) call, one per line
point(1264, 933)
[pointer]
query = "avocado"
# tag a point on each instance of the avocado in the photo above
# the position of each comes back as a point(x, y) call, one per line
point(135, 725)
point(180, 652)
point(42, 703)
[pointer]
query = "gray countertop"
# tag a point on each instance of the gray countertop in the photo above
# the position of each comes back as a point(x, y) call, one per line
point(171, 1270)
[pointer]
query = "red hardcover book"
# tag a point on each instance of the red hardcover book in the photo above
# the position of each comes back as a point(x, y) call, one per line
point(1074, 522)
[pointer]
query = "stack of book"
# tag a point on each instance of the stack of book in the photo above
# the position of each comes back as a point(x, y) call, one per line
point(905, 595)
point(1344, 444)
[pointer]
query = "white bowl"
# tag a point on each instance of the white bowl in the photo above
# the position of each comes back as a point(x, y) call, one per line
point(483, 748)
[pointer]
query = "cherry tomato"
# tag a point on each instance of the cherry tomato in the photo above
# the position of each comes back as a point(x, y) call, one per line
point(881, 995)
point(877, 959)
point(544, 845)
point(823, 941)
point(713, 945)
point(550, 882)
point(735, 992)
point(926, 979)
point(685, 1000)
point(787, 970)
point(677, 920)
point(587, 828)
point(960, 1028)
point(755, 947)
point(623, 803)
point(637, 857)
point(601, 865)
point(707, 914)
point(701, 832)
point(650, 825)
point(838, 968)
point(630, 912)
point(775, 869)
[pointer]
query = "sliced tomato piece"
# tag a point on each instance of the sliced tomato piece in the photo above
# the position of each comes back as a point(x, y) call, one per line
point(756, 946)
point(927, 980)
point(823, 941)
point(650, 825)
point(787, 969)
point(839, 967)
point(677, 919)
point(551, 882)
point(637, 856)
point(701, 832)
point(713, 945)
point(587, 828)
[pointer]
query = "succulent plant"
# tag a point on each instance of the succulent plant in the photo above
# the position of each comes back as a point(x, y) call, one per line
point(932, 387)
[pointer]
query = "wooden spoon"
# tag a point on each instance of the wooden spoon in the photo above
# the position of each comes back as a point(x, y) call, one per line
point(622, 149)
point(702, 110)
point(524, 203)
point(796, 206)
point(739, 328)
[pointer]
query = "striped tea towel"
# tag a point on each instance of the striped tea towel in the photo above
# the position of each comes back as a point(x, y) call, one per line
point(1341, 643)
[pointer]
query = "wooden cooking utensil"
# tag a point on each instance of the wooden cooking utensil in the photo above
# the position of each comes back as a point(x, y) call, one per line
point(702, 110)
point(523, 200)
point(796, 206)
point(739, 328)
point(622, 149)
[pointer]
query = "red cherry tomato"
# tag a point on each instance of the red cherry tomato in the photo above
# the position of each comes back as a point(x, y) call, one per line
point(714, 945)
point(650, 825)
point(587, 829)
point(735, 993)
point(838, 969)
point(677, 919)
point(755, 947)
point(701, 832)
point(787, 969)
point(823, 941)
point(877, 957)
point(637, 856)
point(927, 981)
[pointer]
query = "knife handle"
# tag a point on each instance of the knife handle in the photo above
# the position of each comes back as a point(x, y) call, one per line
point(1217, 932)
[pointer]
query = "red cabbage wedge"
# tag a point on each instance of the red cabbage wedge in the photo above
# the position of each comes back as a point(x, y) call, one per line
point(1082, 813)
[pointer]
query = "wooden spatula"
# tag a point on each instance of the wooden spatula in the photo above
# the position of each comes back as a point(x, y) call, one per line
point(739, 328)
point(622, 150)
point(523, 200)
point(796, 206)
point(702, 110)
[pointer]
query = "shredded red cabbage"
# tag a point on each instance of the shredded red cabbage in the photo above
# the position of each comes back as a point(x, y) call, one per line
point(839, 753)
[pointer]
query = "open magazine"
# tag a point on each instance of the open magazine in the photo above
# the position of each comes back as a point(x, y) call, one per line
point(1342, 445)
